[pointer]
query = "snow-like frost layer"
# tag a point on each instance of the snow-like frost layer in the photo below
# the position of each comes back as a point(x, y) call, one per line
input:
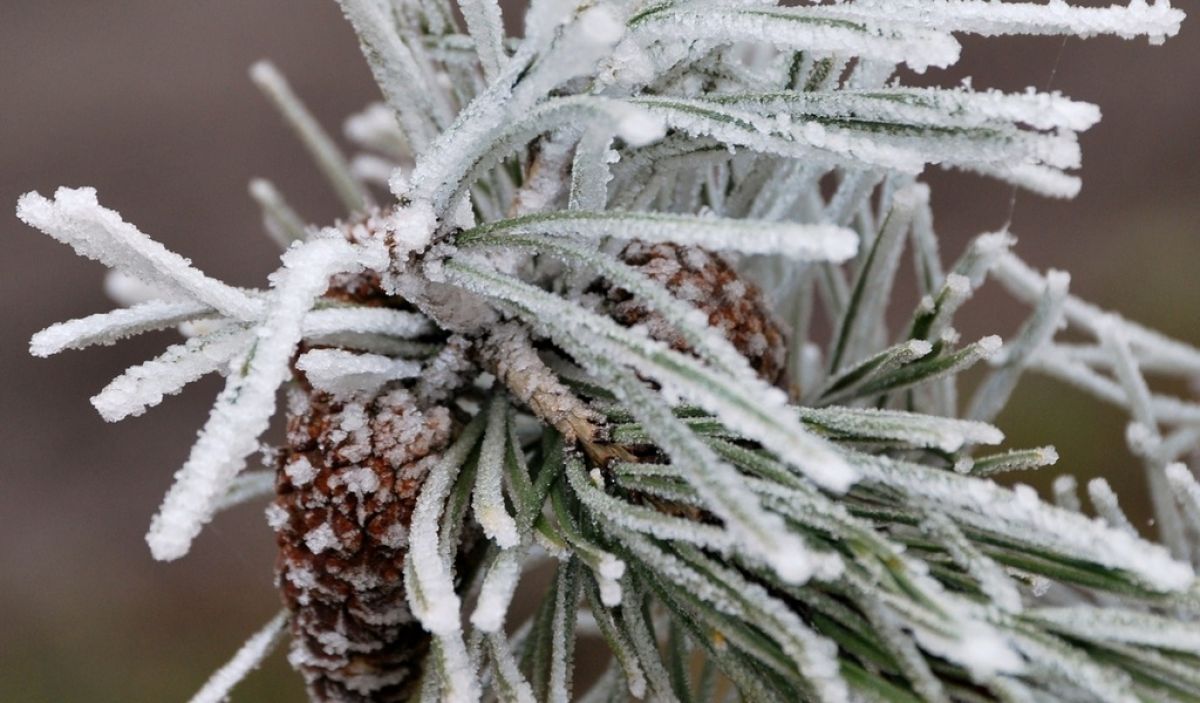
point(76, 218)
point(244, 408)
point(344, 374)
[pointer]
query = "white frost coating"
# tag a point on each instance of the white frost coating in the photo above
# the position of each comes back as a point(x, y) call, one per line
point(757, 531)
point(728, 591)
point(77, 219)
point(1096, 356)
point(360, 481)
point(448, 370)
point(320, 538)
point(749, 407)
point(887, 629)
point(300, 471)
point(876, 131)
point(244, 408)
point(638, 127)
point(366, 320)
point(848, 383)
point(1113, 624)
point(600, 26)
point(955, 291)
point(496, 593)
point(428, 579)
point(646, 520)
point(406, 83)
point(1155, 21)
point(276, 517)
point(145, 385)
point(1137, 393)
point(1093, 681)
point(917, 429)
point(544, 16)
point(931, 106)
point(815, 29)
point(993, 581)
point(487, 30)
point(1142, 439)
point(1187, 493)
point(344, 373)
point(987, 506)
point(1036, 178)
point(610, 592)
point(488, 498)
point(111, 327)
point(643, 644)
point(843, 145)
point(1107, 506)
point(611, 567)
point(251, 654)
point(590, 173)
point(983, 650)
point(581, 45)
point(128, 291)
point(562, 634)
point(802, 242)
point(410, 229)
point(622, 650)
point(511, 682)
point(688, 321)
point(1014, 460)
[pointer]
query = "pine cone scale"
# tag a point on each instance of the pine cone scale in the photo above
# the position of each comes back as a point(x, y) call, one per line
point(346, 487)
point(706, 280)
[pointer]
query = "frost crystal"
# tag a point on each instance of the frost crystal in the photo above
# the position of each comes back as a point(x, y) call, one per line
point(630, 312)
point(345, 374)
point(76, 218)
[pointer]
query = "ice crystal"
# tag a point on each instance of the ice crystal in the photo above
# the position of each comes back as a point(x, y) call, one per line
point(830, 533)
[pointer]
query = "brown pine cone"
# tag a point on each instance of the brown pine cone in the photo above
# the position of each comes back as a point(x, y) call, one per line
point(347, 485)
point(734, 305)
point(364, 287)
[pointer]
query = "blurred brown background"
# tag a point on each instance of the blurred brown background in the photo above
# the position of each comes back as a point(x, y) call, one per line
point(149, 102)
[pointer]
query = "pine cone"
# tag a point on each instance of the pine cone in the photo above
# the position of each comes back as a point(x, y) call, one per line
point(347, 485)
point(706, 280)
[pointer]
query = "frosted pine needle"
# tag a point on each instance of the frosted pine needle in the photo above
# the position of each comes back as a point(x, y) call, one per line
point(823, 527)
point(252, 653)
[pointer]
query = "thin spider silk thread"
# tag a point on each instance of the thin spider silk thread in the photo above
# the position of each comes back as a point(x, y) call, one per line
point(1012, 199)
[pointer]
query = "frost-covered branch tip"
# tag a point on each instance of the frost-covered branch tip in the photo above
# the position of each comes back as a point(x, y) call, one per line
point(628, 304)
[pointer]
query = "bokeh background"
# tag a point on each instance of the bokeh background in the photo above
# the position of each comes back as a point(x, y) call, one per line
point(148, 101)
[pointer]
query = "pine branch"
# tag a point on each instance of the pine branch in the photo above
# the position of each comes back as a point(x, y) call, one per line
point(565, 337)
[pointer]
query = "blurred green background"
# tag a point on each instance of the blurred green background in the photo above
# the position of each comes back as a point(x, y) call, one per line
point(149, 102)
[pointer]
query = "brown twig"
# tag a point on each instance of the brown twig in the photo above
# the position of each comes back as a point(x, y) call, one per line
point(508, 353)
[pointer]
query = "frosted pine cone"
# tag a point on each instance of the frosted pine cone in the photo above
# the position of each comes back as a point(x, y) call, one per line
point(347, 485)
point(734, 305)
